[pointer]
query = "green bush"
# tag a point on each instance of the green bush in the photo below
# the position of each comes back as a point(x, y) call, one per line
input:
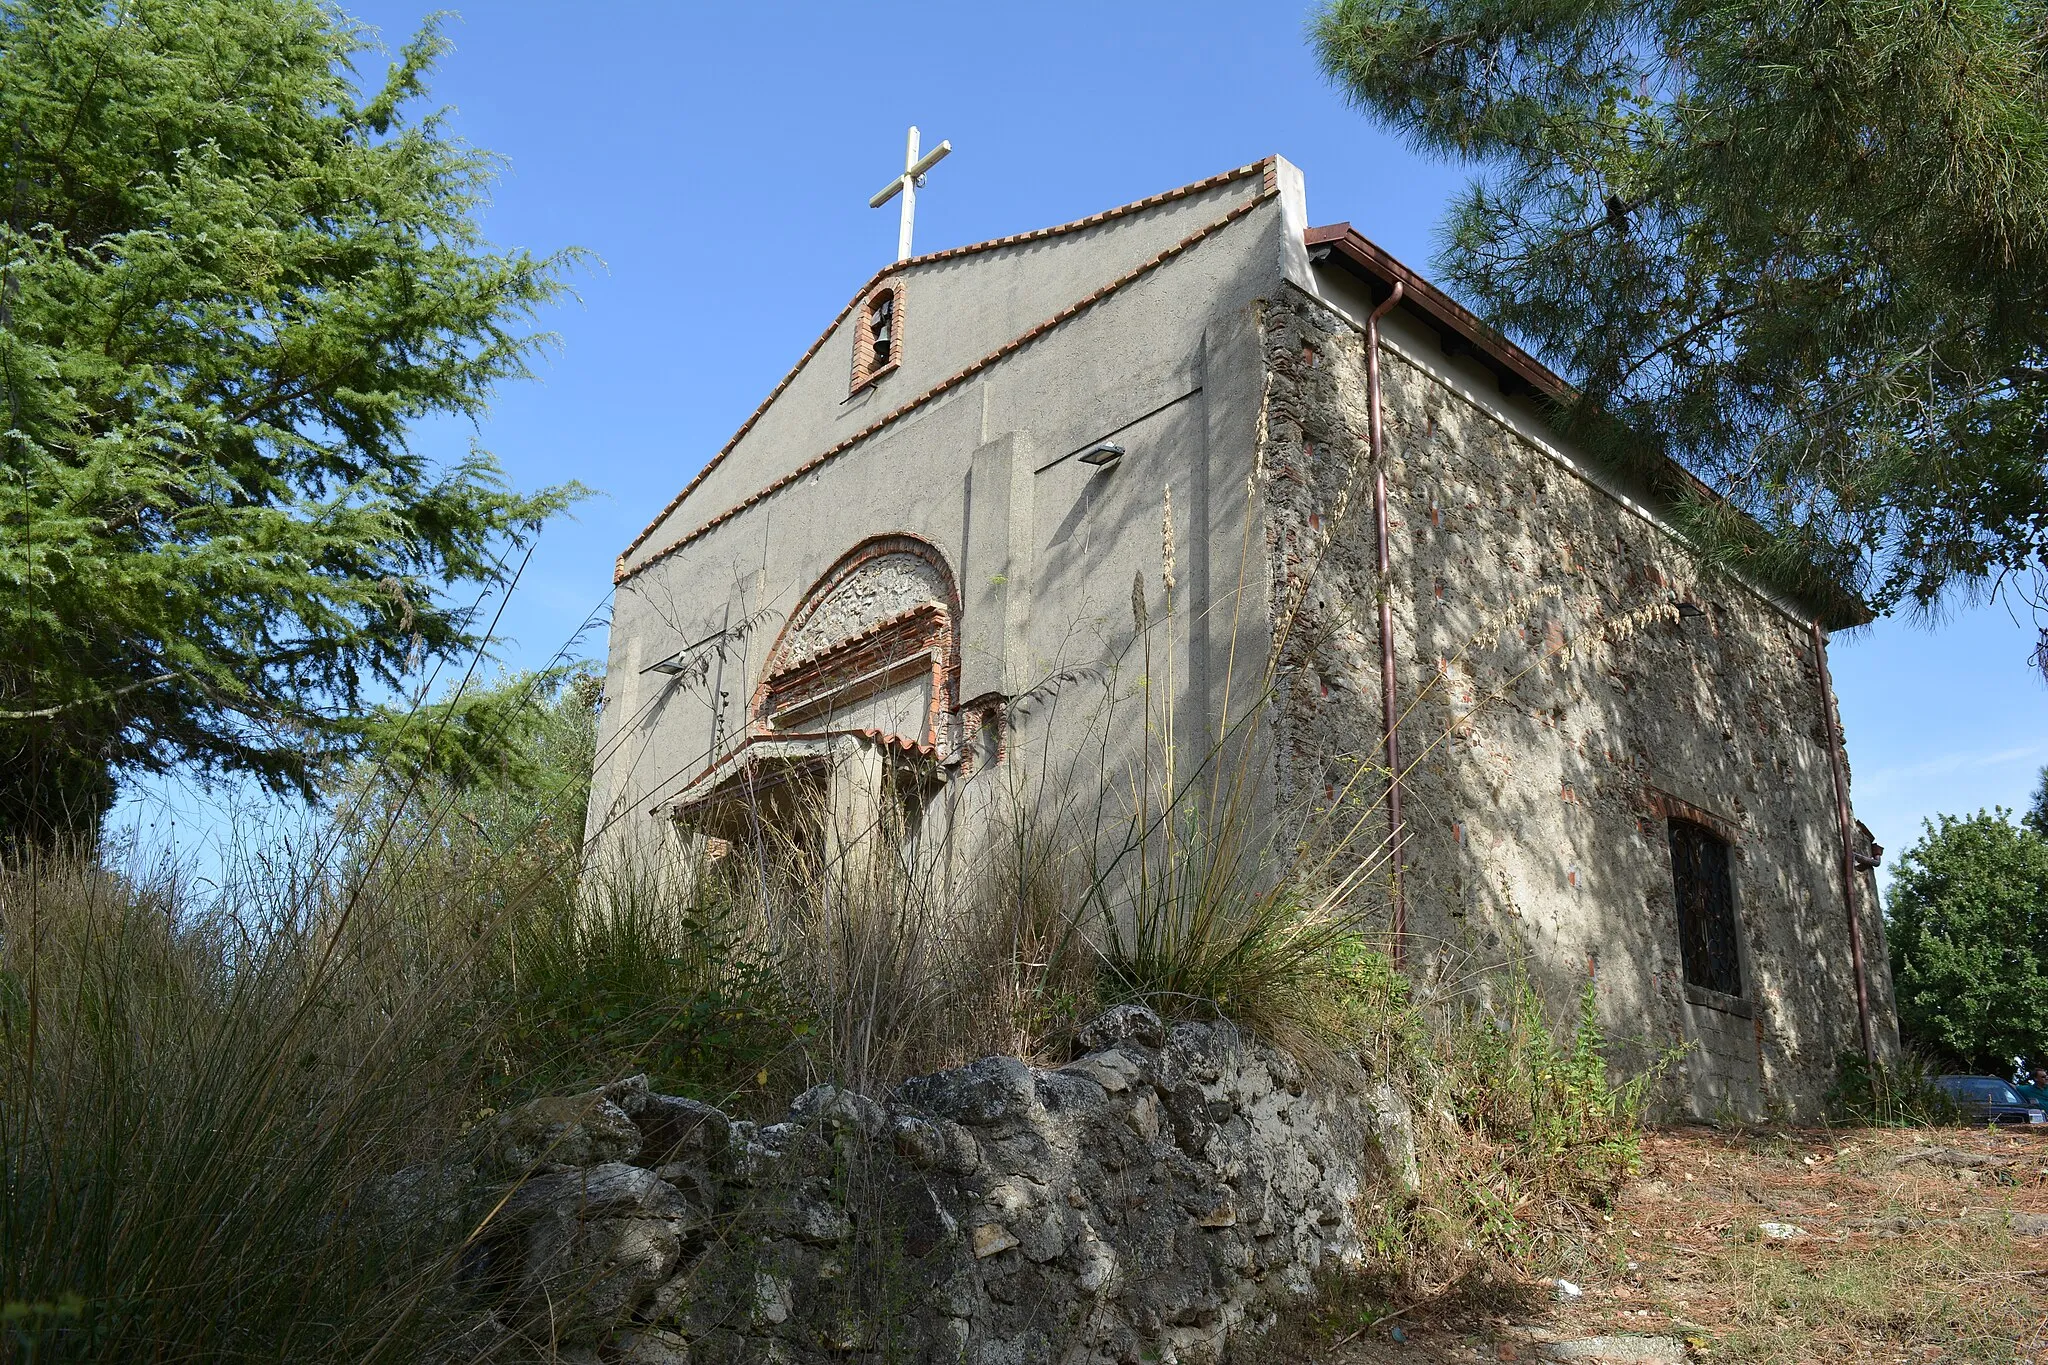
point(1550, 1119)
point(198, 1112)
point(203, 1101)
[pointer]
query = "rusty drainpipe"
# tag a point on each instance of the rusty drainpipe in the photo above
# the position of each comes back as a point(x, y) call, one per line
point(1827, 706)
point(1396, 834)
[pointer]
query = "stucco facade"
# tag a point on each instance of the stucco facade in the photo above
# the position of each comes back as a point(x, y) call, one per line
point(923, 579)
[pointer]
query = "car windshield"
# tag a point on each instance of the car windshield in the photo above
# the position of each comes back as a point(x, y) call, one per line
point(1982, 1089)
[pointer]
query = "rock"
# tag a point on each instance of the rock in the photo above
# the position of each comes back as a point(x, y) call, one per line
point(1565, 1291)
point(586, 1248)
point(1781, 1232)
point(811, 1217)
point(980, 1093)
point(1393, 1135)
point(1170, 1190)
point(1113, 1070)
point(1616, 1348)
point(771, 1300)
point(676, 1129)
point(920, 1142)
point(630, 1095)
point(2028, 1224)
point(1097, 1260)
point(1118, 1023)
point(990, 1238)
point(611, 1190)
point(559, 1133)
point(837, 1110)
point(433, 1194)
point(651, 1346)
point(1222, 1215)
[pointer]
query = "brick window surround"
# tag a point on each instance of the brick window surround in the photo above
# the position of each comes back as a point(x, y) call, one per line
point(865, 370)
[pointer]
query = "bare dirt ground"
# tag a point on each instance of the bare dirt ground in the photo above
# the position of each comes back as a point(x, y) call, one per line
point(1778, 1248)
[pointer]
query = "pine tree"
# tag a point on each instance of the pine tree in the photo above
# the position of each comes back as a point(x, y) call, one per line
point(231, 282)
point(1800, 248)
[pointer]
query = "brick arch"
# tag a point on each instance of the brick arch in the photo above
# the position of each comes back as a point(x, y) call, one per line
point(863, 627)
point(866, 368)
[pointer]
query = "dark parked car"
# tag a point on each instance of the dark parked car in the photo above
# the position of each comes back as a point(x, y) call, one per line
point(1986, 1099)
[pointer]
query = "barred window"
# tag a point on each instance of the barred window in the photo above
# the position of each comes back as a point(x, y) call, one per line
point(1705, 884)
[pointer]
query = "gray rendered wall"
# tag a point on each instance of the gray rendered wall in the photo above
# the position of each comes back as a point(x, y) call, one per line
point(1546, 701)
point(1044, 548)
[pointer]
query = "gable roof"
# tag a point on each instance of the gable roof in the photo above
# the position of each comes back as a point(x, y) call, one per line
point(1460, 331)
point(1265, 169)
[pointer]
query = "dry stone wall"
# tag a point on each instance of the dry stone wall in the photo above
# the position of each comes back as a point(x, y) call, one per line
point(1556, 709)
point(1161, 1194)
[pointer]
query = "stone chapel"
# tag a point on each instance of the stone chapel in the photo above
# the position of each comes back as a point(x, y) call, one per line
point(1336, 508)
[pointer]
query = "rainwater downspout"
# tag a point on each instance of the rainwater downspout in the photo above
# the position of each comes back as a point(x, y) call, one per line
point(1389, 717)
point(1827, 707)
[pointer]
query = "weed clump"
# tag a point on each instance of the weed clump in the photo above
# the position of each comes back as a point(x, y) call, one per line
point(1896, 1094)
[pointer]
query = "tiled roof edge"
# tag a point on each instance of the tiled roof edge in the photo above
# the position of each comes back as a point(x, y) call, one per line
point(623, 573)
point(1262, 168)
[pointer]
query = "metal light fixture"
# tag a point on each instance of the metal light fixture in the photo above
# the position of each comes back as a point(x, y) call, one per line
point(1102, 454)
point(1688, 610)
point(680, 660)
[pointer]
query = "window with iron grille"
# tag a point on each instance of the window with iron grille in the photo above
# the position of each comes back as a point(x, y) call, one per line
point(1704, 881)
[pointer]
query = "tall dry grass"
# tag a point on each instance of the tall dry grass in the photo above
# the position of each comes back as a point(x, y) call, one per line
point(196, 1111)
point(205, 1094)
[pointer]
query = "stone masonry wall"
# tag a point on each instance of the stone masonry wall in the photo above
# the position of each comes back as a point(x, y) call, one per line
point(1147, 1202)
point(1555, 710)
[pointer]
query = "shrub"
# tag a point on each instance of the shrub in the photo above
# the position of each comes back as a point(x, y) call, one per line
point(1900, 1094)
point(1544, 1121)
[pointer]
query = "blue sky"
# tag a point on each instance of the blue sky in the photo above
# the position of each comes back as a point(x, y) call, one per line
point(718, 161)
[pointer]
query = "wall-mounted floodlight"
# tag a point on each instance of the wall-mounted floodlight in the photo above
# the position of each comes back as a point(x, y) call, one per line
point(1688, 610)
point(675, 663)
point(1102, 454)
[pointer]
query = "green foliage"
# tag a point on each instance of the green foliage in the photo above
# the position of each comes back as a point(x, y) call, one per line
point(1557, 1122)
point(231, 282)
point(1900, 1094)
point(656, 981)
point(1801, 248)
point(202, 1102)
point(2036, 818)
point(1969, 940)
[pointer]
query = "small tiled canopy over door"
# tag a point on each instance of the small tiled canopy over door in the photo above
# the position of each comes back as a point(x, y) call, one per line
point(1705, 888)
